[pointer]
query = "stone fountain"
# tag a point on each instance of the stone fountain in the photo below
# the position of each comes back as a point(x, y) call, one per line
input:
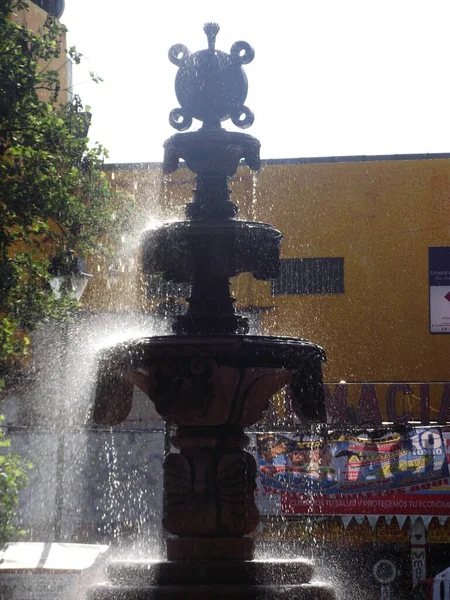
point(210, 379)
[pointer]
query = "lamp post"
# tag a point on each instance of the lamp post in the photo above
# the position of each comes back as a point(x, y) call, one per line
point(69, 275)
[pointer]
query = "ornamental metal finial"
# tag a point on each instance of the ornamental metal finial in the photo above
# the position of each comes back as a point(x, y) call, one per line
point(211, 30)
point(211, 86)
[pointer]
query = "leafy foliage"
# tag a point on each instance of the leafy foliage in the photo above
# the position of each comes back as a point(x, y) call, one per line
point(53, 193)
point(13, 477)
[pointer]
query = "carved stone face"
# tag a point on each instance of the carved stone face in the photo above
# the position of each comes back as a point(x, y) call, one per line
point(191, 389)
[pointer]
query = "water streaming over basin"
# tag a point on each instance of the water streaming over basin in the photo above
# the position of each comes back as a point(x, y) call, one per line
point(88, 484)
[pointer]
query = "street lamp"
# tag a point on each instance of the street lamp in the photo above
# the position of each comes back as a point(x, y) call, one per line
point(69, 275)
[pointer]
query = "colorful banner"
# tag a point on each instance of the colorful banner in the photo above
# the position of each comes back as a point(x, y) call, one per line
point(437, 533)
point(397, 474)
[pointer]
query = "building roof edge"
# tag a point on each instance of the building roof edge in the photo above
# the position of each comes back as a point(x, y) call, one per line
point(134, 166)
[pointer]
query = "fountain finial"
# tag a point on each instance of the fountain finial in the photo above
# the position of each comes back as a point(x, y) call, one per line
point(211, 86)
point(211, 30)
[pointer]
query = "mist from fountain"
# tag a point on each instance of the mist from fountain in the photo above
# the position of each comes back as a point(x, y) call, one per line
point(83, 487)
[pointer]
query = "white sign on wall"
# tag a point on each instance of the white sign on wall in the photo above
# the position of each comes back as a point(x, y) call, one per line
point(439, 284)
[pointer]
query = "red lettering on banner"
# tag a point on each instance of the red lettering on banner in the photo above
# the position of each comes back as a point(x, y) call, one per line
point(425, 403)
point(390, 403)
point(445, 405)
point(439, 483)
point(368, 409)
point(336, 404)
point(423, 486)
point(426, 486)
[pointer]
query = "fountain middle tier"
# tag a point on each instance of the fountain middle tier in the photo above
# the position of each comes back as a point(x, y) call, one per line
point(206, 253)
point(204, 381)
point(180, 249)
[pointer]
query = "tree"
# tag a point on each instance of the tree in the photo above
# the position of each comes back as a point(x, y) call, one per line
point(13, 477)
point(55, 201)
point(54, 197)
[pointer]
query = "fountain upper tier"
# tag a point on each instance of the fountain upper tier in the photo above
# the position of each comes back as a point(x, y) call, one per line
point(211, 245)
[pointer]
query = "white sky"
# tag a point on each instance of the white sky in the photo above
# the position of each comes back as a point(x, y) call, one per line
point(330, 78)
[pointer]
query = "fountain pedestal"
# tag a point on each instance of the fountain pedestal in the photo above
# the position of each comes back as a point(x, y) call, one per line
point(210, 380)
point(212, 580)
point(210, 388)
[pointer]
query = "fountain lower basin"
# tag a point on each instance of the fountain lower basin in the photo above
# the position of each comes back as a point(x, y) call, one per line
point(211, 388)
point(252, 580)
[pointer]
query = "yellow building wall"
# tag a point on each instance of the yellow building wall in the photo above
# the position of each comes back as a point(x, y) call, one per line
point(34, 18)
point(380, 215)
point(118, 285)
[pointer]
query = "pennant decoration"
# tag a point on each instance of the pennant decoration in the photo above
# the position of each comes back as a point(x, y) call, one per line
point(414, 520)
point(426, 520)
point(418, 534)
point(401, 520)
point(346, 520)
